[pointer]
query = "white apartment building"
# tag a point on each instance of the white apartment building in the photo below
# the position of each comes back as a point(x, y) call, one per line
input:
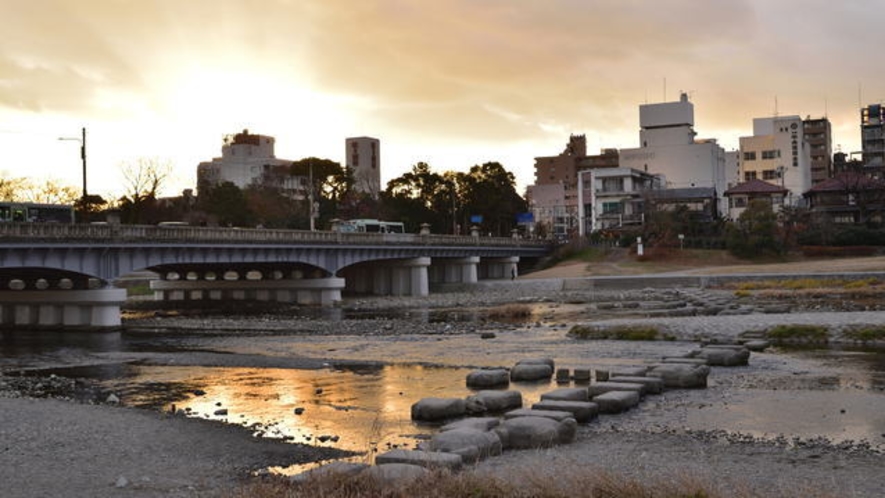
point(777, 153)
point(363, 158)
point(668, 147)
point(613, 197)
point(245, 158)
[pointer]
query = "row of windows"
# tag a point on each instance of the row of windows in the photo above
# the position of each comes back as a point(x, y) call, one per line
point(766, 154)
point(768, 174)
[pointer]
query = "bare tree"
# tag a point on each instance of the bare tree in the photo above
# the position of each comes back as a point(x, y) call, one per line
point(145, 177)
point(143, 180)
point(27, 190)
point(51, 192)
point(11, 188)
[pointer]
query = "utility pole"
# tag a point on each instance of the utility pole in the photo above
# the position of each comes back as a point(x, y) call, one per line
point(310, 196)
point(82, 141)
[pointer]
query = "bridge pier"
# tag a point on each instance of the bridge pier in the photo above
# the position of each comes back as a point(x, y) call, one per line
point(92, 308)
point(499, 268)
point(454, 270)
point(278, 288)
point(402, 277)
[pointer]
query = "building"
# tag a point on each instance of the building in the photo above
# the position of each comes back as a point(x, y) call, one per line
point(701, 203)
point(613, 198)
point(363, 159)
point(819, 137)
point(777, 152)
point(248, 159)
point(740, 196)
point(849, 197)
point(607, 158)
point(668, 147)
point(554, 198)
point(546, 203)
point(872, 135)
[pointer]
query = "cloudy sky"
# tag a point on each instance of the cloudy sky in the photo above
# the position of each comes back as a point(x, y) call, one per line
point(449, 82)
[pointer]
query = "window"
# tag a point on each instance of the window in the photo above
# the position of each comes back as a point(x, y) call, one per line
point(739, 201)
point(771, 154)
point(611, 208)
point(612, 184)
point(769, 174)
point(750, 156)
point(749, 175)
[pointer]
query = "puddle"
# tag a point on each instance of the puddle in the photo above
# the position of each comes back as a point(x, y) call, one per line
point(836, 415)
point(362, 409)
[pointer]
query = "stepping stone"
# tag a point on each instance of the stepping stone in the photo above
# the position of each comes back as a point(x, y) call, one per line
point(493, 401)
point(342, 469)
point(485, 379)
point(653, 385)
point(426, 459)
point(725, 356)
point(681, 375)
point(433, 409)
point(531, 372)
point(563, 375)
point(527, 412)
point(582, 375)
point(757, 345)
point(536, 432)
point(538, 361)
point(616, 401)
point(475, 423)
point(567, 394)
point(582, 411)
point(472, 445)
point(687, 361)
point(628, 372)
point(604, 387)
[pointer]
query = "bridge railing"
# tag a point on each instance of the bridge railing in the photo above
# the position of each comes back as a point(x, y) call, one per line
point(20, 232)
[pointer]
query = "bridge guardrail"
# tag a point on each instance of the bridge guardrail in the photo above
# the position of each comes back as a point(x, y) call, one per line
point(10, 232)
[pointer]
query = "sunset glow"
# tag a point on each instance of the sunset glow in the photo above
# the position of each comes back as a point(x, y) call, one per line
point(452, 83)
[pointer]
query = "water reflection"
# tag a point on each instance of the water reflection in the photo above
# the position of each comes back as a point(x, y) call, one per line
point(364, 409)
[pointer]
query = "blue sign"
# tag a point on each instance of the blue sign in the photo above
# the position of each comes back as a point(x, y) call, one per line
point(475, 218)
point(525, 218)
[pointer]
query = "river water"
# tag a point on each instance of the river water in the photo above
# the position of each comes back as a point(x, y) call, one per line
point(356, 393)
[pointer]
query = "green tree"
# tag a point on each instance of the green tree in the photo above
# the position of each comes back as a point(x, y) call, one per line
point(489, 190)
point(412, 198)
point(755, 232)
point(227, 204)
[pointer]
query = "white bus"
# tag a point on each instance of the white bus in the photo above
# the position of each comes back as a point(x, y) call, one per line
point(368, 226)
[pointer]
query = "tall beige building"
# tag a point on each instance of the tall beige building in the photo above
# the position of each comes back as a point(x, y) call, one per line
point(363, 158)
point(779, 154)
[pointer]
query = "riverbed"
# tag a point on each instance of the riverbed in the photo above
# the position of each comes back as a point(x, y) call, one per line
point(345, 380)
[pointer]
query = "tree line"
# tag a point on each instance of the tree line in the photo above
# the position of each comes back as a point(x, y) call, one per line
point(448, 202)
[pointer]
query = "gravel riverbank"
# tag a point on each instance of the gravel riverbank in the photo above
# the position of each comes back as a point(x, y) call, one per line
point(56, 447)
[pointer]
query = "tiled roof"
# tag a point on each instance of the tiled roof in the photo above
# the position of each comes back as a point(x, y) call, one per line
point(755, 186)
point(848, 180)
point(683, 193)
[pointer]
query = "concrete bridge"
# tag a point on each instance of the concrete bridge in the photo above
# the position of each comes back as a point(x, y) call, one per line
point(62, 275)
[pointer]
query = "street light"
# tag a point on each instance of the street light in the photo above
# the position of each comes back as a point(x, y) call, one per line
point(82, 156)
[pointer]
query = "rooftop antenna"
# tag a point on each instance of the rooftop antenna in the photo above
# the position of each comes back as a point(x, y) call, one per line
point(775, 106)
